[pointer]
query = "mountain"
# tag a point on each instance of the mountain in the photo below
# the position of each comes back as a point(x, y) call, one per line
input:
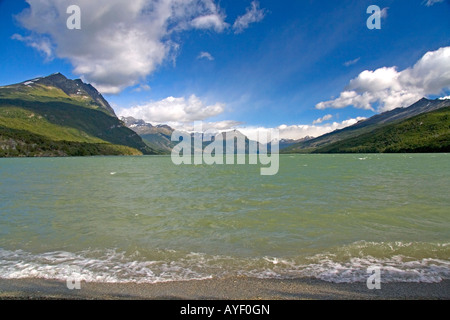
point(234, 137)
point(45, 88)
point(285, 143)
point(156, 137)
point(366, 126)
point(55, 116)
point(427, 132)
point(159, 137)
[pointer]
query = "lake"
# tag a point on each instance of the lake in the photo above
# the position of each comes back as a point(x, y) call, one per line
point(143, 219)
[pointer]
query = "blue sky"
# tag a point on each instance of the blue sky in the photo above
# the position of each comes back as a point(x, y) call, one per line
point(310, 66)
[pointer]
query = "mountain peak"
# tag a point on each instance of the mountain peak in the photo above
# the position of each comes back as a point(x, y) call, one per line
point(54, 78)
point(131, 122)
point(56, 74)
point(75, 88)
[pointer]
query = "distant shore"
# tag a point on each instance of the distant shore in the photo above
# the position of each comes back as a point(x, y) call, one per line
point(237, 288)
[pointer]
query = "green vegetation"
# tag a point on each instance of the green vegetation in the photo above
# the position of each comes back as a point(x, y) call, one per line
point(35, 93)
point(41, 93)
point(27, 120)
point(42, 120)
point(156, 137)
point(55, 116)
point(61, 121)
point(429, 132)
point(159, 142)
point(367, 128)
point(22, 143)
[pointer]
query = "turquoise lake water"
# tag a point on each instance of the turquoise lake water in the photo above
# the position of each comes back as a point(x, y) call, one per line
point(143, 219)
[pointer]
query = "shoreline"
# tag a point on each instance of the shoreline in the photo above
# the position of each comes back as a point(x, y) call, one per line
point(234, 288)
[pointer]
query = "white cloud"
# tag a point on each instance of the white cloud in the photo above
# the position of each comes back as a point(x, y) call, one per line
point(142, 87)
point(285, 132)
point(384, 12)
point(429, 3)
point(180, 114)
point(351, 62)
point(445, 98)
point(120, 42)
point(205, 55)
point(217, 126)
point(211, 21)
point(174, 110)
point(300, 131)
point(42, 45)
point(324, 118)
point(391, 89)
point(253, 14)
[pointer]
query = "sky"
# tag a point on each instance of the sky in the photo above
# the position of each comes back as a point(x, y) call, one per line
point(304, 67)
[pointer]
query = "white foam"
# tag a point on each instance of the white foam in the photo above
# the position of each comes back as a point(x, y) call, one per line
point(112, 266)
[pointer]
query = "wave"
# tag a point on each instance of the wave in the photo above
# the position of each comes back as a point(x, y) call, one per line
point(398, 262)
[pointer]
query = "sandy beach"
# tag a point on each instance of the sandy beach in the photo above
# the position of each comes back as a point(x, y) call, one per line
point(238, 288)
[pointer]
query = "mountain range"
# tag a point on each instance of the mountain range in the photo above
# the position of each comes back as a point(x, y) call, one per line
point(387, 130)
point(157, 137)
point(56, 116)
point(424, 133)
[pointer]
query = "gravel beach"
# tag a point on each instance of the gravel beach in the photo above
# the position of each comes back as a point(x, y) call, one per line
point(238, 288)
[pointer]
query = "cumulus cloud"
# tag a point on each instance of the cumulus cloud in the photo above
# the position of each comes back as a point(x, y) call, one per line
point(174, 110)
point(120, 42)
point(180, 113)
point(300, 131)
point(429, 3)
point(205, 55)
point(324, 118)
point(215, 126)
point(256, 133)
point(389, 88)
point(253, 14)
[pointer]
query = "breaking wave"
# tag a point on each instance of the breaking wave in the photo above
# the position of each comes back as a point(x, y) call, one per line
point(399, 262)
